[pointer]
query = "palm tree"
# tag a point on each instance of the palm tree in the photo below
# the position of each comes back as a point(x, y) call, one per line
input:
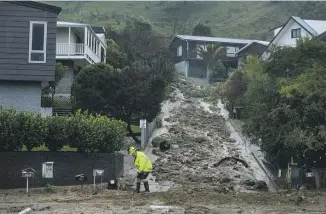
point(211, 54)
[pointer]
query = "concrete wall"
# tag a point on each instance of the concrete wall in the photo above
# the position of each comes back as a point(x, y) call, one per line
point(197, 68)
point(22, 95)
point(182, 67)
point(66, 166)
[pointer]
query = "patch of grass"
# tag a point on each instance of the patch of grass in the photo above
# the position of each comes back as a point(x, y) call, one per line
point(43, 148)
point(135, 129)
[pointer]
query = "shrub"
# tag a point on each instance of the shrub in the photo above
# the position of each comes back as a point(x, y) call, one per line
point(56, 133)
point(32, 129)
point(85, 132)
point(9, 127)
point(98, 133)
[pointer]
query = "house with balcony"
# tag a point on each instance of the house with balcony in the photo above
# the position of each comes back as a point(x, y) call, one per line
point(188, 61)
point(27, 52)
point(77, 45)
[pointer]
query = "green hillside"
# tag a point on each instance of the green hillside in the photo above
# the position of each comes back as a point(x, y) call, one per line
point(226, 19)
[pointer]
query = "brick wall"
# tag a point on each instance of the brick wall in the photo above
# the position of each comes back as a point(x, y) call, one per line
point(66, 166)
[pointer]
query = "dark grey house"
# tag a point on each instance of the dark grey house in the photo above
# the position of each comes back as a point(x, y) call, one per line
point(189, 63)
point(255, 48)
point(27, 52)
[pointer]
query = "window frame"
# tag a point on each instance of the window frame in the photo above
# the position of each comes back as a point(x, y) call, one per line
point(179, 51)
point(295, 30)
point(30, 51)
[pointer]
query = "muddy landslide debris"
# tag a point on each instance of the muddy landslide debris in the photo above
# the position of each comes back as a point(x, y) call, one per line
point(199, 140)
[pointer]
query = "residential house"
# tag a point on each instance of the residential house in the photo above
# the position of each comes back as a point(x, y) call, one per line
point(27, 52)
point(294, 28)
point(77, 45)
point(254, 48)
point(188, 60)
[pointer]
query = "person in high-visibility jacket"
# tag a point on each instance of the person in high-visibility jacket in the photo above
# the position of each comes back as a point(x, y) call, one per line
point(143, 165)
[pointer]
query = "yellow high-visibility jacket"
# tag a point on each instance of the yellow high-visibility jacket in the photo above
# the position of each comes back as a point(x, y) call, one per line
point(142, 163)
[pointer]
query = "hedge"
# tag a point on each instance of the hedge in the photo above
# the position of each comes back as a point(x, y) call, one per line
point(87, 133)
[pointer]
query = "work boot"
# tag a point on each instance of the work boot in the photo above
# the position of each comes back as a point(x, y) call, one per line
point(146, 186)
point(138, 187)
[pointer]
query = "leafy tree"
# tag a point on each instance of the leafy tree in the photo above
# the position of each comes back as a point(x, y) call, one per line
point(211, 54)
point(127, 94)
point(114, 55)
point(218, 70)
point(201, 30)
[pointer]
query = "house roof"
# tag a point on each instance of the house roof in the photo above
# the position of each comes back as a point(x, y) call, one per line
point(38, 5)
point(251, 43)
point(321, 36)
point(314, 27)
point(98, 29)
point(70, 24)
point(213, 39)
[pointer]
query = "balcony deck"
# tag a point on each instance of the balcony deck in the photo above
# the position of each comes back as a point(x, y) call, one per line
point(76, 51)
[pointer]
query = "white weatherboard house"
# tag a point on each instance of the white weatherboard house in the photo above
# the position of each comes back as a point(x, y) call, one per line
point(294, 28)
point(78, 45)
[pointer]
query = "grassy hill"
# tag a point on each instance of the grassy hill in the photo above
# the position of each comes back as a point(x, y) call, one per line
point(226, 19)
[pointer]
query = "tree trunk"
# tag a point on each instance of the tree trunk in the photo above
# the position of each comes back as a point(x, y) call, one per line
point(132, 134)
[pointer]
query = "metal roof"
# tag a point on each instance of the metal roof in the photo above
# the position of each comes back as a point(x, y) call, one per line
point(214, 39)
point(38, 5)
point(304, 25)
point(98, 29)
point(251, 43)
point(313, 26)
point(70, 24)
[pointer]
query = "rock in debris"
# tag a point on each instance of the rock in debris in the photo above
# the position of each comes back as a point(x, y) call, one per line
point(261, 185)
point(225, 180)
point(249, 182)
point(165, 145)
point(201, 139)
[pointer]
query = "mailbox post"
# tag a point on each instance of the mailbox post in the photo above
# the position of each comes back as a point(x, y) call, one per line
point(81, 178)
point(98, 172)
point(47, 171)
point(28, 173)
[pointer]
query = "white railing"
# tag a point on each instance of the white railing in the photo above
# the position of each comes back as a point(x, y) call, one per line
point(92, 55)
point(73, 49)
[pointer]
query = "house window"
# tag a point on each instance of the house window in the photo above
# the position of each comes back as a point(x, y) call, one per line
point(179, 51)
point(296, 33)
point(37, 42)
point(102, 54)
point(230, 51)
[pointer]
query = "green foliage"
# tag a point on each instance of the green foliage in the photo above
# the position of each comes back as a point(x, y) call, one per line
point(218, 70)
point(28, 131)
point(285, 103)
point(47, 101)
point(130, 93)
point(114, 56)
point(53, 140)
point(234, 88)
point(201, 30)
